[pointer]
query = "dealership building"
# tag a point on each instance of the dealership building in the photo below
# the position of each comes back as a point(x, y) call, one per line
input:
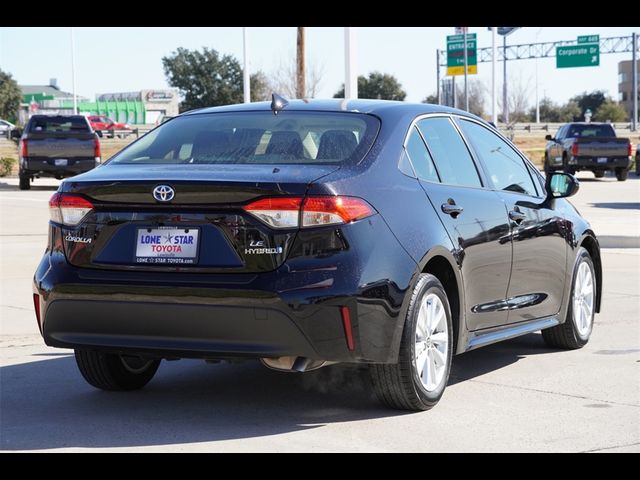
point(141, 107)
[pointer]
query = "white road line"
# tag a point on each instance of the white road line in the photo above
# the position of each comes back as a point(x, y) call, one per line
point(28, 199)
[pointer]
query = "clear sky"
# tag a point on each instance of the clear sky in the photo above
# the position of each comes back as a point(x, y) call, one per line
point(115, 59)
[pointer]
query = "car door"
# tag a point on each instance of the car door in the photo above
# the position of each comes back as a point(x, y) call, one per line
point(474, 217)
point(537, 232)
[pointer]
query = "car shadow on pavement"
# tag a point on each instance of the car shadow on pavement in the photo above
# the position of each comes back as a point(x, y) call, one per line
point(488, 359)
point(618, 205)
point(46, 404)
point(38, 188)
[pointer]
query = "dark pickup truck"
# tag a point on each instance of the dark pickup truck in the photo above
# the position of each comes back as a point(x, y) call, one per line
point(588, 146)
point(57, 146)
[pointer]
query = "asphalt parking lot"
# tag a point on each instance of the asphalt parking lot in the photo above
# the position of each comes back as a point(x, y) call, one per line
point(514, 396)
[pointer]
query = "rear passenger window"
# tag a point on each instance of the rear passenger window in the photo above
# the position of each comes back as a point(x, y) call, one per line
point(420, 158)
point(450, 154)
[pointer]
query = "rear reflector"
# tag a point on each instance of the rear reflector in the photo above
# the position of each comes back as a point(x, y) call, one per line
point(294, 212)
point(68, 209)
point(348, 328)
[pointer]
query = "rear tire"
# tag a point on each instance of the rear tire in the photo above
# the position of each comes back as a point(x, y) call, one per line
point(622, 174)
point(576, 330)
point(108, 371)
point(566, 168)
point(417, 382)
point(25, 182)
point(599, 173)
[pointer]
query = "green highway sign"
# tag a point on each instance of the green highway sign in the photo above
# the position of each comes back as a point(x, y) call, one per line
point(455, 54)
point(583, 55)
point(589, 39)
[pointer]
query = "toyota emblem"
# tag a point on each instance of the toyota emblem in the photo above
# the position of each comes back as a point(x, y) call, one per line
point(164, 193)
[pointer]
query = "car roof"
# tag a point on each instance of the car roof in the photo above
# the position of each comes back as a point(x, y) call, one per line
point(375, 107)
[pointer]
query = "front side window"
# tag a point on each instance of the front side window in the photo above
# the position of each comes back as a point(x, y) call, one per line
point(292, 137)
point(506, 168)
point(450, 154)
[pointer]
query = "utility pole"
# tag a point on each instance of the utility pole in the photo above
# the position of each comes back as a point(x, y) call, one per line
point(300, 74)
point(494, 91)
point(466, 63)
point(73, 76)
point(350, 74)
point(246, 79)
point(505, 105)
point(438, 76)
point(634, 67)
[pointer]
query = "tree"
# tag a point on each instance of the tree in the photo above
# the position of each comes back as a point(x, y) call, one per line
point(379, 86)
point(549, 111)
point(204, 78)
point(259, 85)
point(476, 97)
point(591, 101)
point(10, 97)
point(283, 80)
point(570, 112)
point(433, 98)
point(610, 111)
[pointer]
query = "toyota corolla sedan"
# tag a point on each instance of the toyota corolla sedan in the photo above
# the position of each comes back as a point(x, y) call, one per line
point(310, 233)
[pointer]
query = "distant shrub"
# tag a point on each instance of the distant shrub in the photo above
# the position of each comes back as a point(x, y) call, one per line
point(6, 166)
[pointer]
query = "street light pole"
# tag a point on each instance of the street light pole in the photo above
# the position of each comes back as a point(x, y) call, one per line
point(246, 79)
point(350, 76)
point(505, 106)
point(537, 99)
point(494, 92)
point(634, 69)
point(438, 76)
point(73, 76)
point(466, 63)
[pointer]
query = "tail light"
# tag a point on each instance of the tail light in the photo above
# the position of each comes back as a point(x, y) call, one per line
point(574, 149)
point(68, 209)
point(36, 306)
point(629, 149)
point(24, 151)
point(294, 212)
point(97, 153)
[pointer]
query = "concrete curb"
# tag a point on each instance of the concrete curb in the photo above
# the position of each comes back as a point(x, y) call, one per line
point(618, 241)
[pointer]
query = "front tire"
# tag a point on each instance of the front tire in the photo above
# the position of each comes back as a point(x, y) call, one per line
point(418, 380)
point(622, 174)
point(576, 330)
point(108, 371)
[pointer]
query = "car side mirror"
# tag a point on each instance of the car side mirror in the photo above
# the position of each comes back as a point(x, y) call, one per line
point(561, 185)
point(548, 138)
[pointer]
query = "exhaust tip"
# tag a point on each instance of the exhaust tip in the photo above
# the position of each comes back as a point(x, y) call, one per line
point(294, 364)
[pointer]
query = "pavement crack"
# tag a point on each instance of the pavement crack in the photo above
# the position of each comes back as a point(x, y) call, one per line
point(539, 390)
point(610, 448)
point(16, 308)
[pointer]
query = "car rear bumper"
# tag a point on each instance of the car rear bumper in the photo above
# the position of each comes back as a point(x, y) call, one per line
point(295, 310)
point(48, 168)
point(593, 163)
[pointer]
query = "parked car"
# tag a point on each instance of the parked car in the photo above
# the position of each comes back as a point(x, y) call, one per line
point(588, 146)
point(103, 124)
point(57, 146)
point(365, 231)
point(6, 127)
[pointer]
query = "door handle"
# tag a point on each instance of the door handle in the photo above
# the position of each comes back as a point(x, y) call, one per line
point(451, 208)
point(517, 216)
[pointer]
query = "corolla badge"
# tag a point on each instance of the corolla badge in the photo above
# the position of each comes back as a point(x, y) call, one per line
point(164, 193)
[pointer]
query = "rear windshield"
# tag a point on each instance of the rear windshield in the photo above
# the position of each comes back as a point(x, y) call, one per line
point(256, 138)
point(591, 131)
point(59, 124)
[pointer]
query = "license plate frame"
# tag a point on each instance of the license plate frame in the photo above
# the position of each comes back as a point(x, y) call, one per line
point(601, 160)
point(61, 162)
point(172, 250)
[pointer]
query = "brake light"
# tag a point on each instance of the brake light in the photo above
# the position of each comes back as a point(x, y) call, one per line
point(68, 209)
point(36, 306)
point(574, 149)
point(24, 151)
point(294, 212)
point(629, 152)
point(97, 151)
